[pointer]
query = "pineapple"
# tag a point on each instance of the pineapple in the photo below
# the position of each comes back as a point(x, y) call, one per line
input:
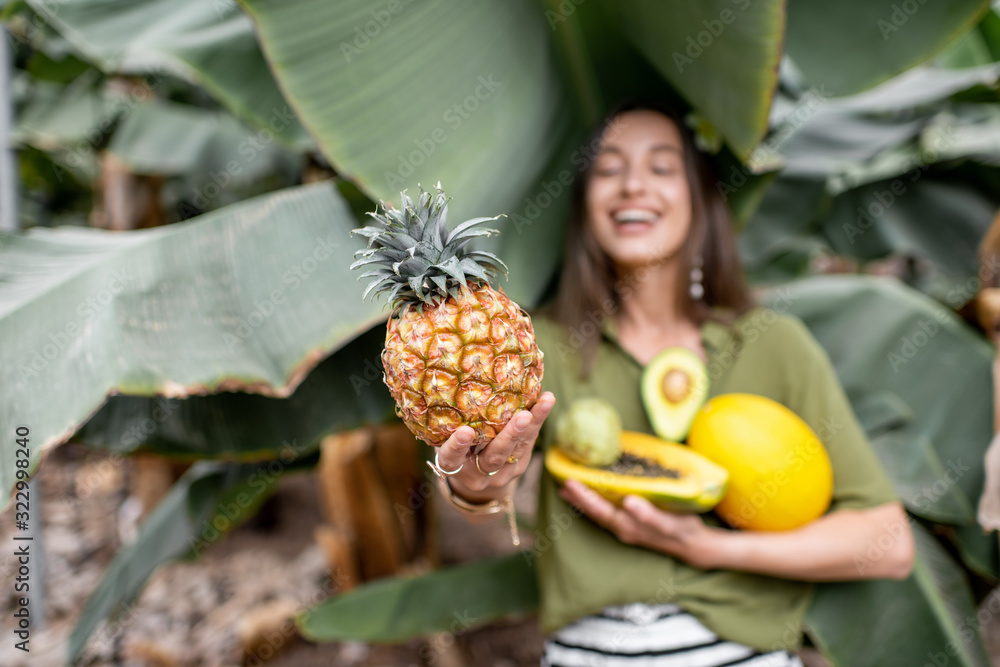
point(457, 351)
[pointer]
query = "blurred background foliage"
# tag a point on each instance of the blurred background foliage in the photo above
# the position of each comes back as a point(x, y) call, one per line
point(223, 151)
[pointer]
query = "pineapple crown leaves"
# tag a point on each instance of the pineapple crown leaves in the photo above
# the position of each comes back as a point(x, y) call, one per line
point(412, 255)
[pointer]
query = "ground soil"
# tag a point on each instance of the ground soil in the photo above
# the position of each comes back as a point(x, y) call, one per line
point(193, 613)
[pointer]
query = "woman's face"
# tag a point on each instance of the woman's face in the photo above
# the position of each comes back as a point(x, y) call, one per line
point(638, 198)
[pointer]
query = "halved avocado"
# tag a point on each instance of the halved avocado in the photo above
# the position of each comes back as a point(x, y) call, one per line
point(699, 486)
point(674, 387)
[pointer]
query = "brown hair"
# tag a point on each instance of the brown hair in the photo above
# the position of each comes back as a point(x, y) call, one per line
point(589, 286)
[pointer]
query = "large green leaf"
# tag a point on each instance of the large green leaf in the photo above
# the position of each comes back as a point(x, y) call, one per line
point(343, 392)
point(846, 140)
point(721, 54)
point(211, 43)
point(942, 222)
point(886, 340)
point(846, 47)
point(56, 116)
point(979, 46)
point(929, 618)
point(464, 93)
point(875, 174)
point(783, 225)
point(168, 138)
point(461, 93)
point(448, 600)
point(247, 298)
point(208, 501)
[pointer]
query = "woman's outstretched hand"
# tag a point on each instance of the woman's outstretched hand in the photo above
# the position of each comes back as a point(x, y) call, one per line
point(639, 522)
point(507, 455)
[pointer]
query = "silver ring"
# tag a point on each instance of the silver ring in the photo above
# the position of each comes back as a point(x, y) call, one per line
point(488, 474)
point(436, 466)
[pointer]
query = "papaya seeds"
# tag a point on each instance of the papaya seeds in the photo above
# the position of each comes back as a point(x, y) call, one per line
point(640, 466)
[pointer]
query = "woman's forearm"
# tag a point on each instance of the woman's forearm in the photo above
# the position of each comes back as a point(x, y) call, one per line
point(848, 544)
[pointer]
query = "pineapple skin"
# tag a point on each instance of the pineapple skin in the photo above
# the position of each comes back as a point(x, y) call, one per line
point(470, 360)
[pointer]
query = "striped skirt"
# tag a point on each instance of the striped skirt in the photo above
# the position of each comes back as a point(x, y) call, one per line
point(642, 635)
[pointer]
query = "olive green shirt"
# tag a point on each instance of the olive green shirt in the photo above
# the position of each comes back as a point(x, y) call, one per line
point(583, 568)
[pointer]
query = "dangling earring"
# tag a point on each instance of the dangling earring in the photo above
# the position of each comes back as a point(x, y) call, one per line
point(697, 290)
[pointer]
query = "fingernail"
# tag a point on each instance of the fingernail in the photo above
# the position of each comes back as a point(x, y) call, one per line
point(464, 436)
point(633, 503)
point(522, 420)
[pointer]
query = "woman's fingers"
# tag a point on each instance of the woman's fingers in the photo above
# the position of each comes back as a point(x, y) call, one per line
point(506, 455)
point(452, 453)
point(601, 510)
point(517, 437)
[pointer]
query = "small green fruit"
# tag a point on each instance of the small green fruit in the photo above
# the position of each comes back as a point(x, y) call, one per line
point(590, 432)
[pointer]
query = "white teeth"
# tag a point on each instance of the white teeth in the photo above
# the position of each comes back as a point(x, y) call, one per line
point(635, 215)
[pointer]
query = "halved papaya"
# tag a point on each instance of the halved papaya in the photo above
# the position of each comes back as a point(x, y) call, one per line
point(698, 485)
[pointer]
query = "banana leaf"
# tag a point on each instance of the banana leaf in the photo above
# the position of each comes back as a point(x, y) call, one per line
point(211, 43)
point(892, 346)
point(873, 39)
point(928, 618)
point(248, 298)
point(979, 47)
point(343, 392)
point(450, 599)
point(174, 139)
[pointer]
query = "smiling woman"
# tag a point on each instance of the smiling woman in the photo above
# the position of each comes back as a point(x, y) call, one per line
point(647, 206)
point(651, 263)
point(651, 253)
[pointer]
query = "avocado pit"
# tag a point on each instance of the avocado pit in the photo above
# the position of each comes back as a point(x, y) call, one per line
point(676, 385)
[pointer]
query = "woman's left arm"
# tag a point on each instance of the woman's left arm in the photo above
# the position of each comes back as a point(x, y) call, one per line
point(846, 544)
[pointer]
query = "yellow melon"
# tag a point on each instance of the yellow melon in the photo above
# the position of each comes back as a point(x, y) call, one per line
point(780, 475)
